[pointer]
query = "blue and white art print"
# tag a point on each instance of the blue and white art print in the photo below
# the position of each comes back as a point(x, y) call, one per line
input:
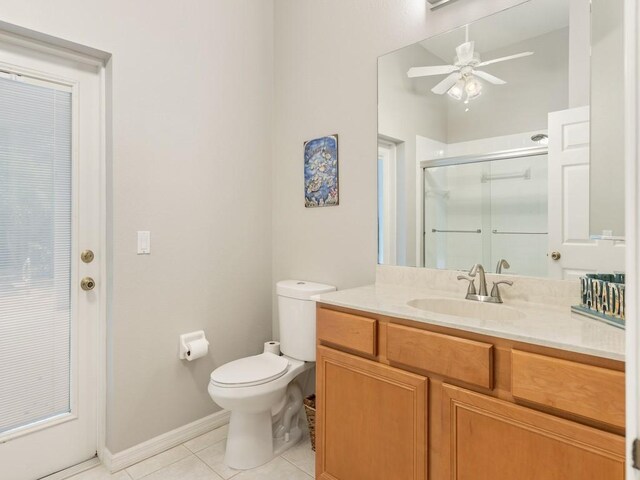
point(321, 172)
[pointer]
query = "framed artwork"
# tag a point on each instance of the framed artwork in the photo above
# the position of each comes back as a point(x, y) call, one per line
point(321, 172)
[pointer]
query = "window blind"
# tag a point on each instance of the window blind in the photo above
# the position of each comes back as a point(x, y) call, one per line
point(35, 252)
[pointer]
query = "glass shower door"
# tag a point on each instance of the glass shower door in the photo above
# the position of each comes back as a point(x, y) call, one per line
point(455, 203)
point(519, 214)
point(486, 210)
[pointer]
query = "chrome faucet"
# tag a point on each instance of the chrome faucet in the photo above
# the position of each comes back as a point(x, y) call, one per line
point(502, 263)
point(478, 269)
point(481, 294)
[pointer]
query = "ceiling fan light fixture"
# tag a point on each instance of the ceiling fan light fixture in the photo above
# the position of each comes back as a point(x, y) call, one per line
point(472, 87)
point(457, 91)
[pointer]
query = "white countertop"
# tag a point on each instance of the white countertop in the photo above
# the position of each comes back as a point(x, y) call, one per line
point(544, 325)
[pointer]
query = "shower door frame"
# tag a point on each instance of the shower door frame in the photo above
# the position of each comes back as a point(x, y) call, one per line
point(459, 160)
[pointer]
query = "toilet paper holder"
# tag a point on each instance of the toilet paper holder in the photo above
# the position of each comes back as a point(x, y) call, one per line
point(187, 338)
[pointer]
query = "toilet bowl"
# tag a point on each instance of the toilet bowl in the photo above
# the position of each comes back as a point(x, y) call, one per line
point(261, 392)
point(254, 389)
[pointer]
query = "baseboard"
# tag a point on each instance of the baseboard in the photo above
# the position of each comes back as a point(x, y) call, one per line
point(120, 460)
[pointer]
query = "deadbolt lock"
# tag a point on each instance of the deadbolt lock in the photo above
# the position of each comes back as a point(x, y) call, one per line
point(87, 256)
point(555, 255)
point(87, 283)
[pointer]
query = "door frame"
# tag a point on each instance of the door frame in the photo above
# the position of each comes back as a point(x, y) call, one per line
point(389, 196)
point(632, 226)
point(14, 34)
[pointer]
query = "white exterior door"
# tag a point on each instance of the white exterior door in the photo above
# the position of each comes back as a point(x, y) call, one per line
point(571, 251)
point(50, 211)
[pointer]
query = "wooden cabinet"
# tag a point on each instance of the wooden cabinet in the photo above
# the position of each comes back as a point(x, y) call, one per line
point(492, 439)
point(371, 420)
point(497, 409)
point(458, 358)
point(592, 392)
point(352, 332)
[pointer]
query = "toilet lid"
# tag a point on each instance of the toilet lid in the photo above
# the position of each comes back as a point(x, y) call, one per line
point(250, 371)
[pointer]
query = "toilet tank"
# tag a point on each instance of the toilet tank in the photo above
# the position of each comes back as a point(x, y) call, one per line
point(297, 317)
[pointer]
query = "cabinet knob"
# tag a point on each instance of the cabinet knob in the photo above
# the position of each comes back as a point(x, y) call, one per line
point(555, 256)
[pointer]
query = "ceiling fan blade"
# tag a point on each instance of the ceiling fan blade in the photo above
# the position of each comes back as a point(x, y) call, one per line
point(465, 53)
point(428, 71)
point(504, 59)
point(488, 77)
point(446, 84)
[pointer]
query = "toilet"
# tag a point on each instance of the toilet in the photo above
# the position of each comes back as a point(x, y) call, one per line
point(260, 391)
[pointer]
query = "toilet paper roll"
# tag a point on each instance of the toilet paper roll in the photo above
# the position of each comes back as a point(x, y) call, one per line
point(272, 347)
point(196, 349)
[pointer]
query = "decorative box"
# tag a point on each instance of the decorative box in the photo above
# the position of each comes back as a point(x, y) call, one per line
point(602, 298)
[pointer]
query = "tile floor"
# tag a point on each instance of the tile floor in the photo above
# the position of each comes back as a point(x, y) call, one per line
point(202, 459)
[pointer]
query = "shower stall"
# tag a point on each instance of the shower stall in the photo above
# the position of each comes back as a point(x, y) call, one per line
point(479, 209)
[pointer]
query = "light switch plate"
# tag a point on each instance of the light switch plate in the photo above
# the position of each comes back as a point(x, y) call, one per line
point(144, 243)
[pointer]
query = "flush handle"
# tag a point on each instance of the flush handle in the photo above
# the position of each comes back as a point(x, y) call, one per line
point(555, 256)
point(87, 283)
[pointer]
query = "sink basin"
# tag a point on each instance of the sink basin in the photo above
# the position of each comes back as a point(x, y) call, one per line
point(467, 308)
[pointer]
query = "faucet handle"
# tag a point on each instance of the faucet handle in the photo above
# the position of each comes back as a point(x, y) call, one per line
point(495, 291)
point(472, 286)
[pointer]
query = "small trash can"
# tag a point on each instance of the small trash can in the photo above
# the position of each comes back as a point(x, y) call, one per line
point(310, 409)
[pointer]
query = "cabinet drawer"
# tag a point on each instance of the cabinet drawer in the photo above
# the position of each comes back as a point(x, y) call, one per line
point(592, 392)
point(346, 330)
point(456, 358)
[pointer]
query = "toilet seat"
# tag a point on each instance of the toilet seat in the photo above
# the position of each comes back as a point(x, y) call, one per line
point(250, 371)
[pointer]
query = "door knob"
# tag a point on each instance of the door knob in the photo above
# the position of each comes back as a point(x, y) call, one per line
point(87, 283)
point(87, 256)
point(555, 256)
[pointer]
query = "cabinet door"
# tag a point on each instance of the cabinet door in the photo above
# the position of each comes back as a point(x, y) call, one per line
point(371, 420)
point(489, 439)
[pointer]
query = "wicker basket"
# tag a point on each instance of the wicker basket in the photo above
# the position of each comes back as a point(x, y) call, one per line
point(310, 409)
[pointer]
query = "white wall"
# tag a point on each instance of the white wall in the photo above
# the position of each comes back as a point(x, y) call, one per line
point(192, 112)
point(607, 119)
point(407, 109)
point(579, 52)
point(325, 57)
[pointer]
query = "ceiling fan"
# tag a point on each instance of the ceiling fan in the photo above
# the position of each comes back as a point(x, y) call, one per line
point(461, 79)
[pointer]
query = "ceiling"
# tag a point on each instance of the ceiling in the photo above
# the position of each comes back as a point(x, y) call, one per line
point(502, 29)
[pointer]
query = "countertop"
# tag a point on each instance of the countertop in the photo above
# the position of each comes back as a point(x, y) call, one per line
point(539, 324)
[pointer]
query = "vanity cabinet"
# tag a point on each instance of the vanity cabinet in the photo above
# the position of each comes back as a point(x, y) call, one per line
point(373, 421)
point(405, 400)
point(492, 439)
point(586, 390)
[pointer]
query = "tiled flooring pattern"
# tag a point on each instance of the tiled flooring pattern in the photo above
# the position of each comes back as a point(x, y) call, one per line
point(202, 459)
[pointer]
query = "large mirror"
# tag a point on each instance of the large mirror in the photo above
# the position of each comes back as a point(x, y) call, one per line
point(488, 136)
point(607, 119)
